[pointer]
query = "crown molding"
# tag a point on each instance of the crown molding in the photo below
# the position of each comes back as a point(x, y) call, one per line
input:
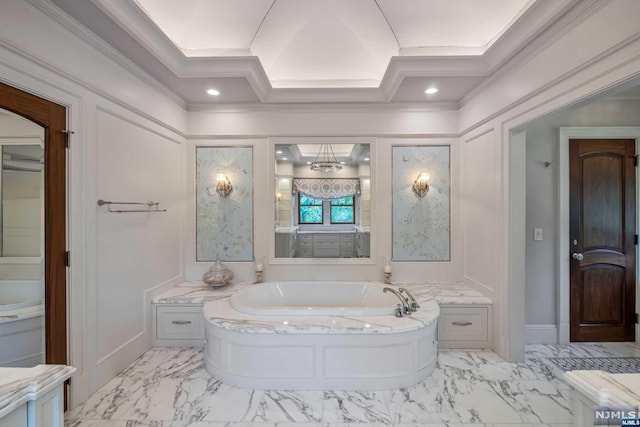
point(418, 107)
point(75, 27)
point(467, 62)
point(537, 26)
point(570, 14)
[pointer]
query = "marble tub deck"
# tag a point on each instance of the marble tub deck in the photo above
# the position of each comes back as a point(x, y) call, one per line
point(168, 387)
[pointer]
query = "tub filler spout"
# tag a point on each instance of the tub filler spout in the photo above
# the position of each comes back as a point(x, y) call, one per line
point(412, 301)
point(404, 307)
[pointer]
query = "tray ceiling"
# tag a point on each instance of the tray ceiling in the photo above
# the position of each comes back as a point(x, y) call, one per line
point(273, 51)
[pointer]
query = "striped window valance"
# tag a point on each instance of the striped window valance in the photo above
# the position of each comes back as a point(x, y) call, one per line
point(327, 188)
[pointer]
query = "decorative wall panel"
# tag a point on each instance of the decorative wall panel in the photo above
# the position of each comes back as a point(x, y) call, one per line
point(224, 225)
point(421, 225)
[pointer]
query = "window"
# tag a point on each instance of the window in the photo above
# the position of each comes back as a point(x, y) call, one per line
point(310, 211)
point(343, 211)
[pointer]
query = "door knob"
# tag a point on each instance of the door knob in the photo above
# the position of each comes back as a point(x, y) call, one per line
point(577, 255)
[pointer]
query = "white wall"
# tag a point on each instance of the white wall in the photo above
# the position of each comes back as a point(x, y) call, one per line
point(587, 52)
point(542, 207)
point(128, 145)
point(382, 126)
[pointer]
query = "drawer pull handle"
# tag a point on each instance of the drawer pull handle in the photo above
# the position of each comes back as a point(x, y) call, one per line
point(462, 323)
point(181, 322)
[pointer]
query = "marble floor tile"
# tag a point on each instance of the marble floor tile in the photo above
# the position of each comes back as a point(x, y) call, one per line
point(169, 387)
point(289, 406)
point(172, 362)
point(209, 400)
point(148, 399)
point(356, 407)
point(482, 364)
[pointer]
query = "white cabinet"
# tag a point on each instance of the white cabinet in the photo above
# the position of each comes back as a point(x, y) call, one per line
point(17, 418)
point(326, 245)
point(286, 244)
point(33, 397)
point(464, 326)
point(178, 325)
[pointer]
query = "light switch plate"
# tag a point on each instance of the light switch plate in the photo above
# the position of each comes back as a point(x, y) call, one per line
point(537, 234)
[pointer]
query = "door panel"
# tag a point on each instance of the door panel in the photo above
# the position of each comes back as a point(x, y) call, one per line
point(602, 201)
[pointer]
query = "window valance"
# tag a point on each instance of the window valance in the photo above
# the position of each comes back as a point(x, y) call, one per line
point(327, 188)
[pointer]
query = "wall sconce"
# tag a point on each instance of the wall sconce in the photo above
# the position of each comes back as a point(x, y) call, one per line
point(421, 184)
point(224, 185)
point(278, 196)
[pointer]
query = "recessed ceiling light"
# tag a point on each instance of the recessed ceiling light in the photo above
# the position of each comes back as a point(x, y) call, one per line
point(431, 90)
point(213, 92)
point(366, 159)
point(279, 152)
point(309, 163)
point(284, 158)
point(342, 163)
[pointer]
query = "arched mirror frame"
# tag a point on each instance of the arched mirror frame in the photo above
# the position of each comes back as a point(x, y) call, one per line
point(272, 192)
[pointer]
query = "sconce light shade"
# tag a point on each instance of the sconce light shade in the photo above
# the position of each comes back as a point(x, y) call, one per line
point(224, 187)
point(421, 184)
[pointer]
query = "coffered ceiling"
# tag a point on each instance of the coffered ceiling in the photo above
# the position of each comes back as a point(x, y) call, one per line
point(274, 51)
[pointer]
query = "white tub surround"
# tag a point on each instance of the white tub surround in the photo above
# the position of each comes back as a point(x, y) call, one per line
point(592, 389)
point(464, 322)
point(177, 313)
point(33, 396)
point(319, 352)
point(315, 299)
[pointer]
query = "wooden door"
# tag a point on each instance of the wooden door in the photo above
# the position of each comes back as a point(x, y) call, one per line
point(603, 251)
point(52, 117)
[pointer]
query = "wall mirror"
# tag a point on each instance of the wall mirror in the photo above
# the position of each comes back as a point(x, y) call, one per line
point(322, 200)
point(224, 204)
point(22, 284)
point(22, 198)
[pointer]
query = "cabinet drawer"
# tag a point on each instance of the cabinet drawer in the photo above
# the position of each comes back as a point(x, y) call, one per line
point(326, 242)
point(305, 239)
point(463, 324)
point(326, 252)
point(346, 252)
point(305, 252)
point(179, 323)
point(346, 239)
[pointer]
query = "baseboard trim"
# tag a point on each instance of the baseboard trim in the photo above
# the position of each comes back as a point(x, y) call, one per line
point(541, 334)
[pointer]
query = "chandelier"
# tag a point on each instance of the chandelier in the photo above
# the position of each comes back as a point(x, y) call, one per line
point(325, 161)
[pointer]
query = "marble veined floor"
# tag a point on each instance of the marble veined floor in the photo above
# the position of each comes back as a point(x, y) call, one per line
point(169, 387)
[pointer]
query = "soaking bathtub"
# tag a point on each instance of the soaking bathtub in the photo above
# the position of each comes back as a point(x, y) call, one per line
point(318, 336)
point(21, 323)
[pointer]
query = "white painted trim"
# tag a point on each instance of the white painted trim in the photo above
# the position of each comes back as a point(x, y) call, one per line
point(516, 147)
point(541, 334)
point(563, 237)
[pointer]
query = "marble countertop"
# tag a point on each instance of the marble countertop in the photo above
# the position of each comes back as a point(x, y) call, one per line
point(443, 293)
point(19, 385)
point(623, 389)
point(219, 312)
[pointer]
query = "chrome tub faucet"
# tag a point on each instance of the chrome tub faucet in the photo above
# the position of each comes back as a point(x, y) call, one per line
point(404, 307)
point(413, 304)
